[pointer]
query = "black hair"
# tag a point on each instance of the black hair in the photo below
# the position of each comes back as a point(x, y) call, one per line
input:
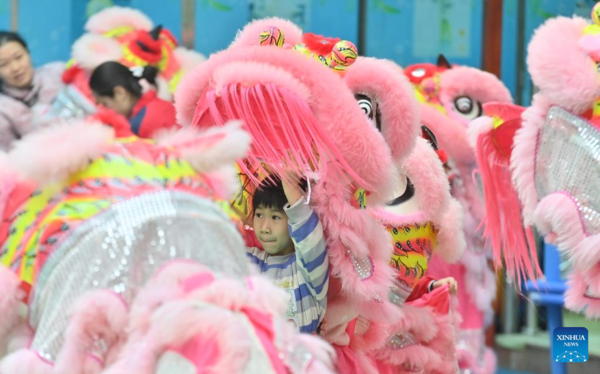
point(9, 36)
point(111, 74)
point(269, 195)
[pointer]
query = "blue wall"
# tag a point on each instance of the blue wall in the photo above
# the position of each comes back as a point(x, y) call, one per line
point(417, 31)
point(4, 14)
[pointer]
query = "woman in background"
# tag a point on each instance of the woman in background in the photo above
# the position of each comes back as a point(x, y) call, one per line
point(118, 88)
point(23, 89)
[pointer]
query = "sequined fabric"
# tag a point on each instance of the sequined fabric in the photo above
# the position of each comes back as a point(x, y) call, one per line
point(362, 265)
point(44, 219)
point(402, 340)
point(568, 161)
point(122, 247)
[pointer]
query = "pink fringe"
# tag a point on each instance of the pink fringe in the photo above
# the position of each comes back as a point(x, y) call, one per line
point(503, 223)
point(336, 111)
point(283, 128)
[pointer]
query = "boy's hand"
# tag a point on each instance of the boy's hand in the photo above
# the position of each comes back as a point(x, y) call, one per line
point(451, 282)
point(290, 181)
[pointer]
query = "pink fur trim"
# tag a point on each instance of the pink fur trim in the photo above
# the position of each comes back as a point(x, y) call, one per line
point(418, 320)
point(179, 321)
point(375, 337)
point(426, 172)
point(224, 182)
point(478, 127)
point(9, 303)
point(591, 45)
point(188, 59)
point(348, 229)
point(451, 135)
point(96, 314)
point(560, 68)
point(8, 181)
point(522, 161)
point(480, 86)
point(116, 16)
point(265, 296)
point(576, 300)
point(451, 237)
point(24, 361)
point(411, 357)
point(385, 82)
point(388, 218)
point(366, 155)
point(250, 33)
point(558, 213)
point(208, 150)
point(91, 50)
point(54, 153)
point(323, 353)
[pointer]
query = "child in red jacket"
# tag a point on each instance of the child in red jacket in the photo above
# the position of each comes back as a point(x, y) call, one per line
point(118, 88)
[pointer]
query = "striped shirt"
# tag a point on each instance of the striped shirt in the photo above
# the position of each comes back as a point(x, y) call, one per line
point(304, 274)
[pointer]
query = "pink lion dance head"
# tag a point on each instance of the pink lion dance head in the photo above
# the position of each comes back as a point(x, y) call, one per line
point(287, 89)
point(129, 37)
point(559, 130)
point(450, 98)
point(421, 219)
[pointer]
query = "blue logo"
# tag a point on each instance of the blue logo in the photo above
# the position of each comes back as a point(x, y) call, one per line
point(570, 344)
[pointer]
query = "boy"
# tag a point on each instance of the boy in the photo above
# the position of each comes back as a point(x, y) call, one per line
point(294, 255)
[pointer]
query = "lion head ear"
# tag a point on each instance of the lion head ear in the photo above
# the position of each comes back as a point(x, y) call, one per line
point(442, 62)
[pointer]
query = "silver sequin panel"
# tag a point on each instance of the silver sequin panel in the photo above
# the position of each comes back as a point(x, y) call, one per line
point(121, 249)
point(568, 160)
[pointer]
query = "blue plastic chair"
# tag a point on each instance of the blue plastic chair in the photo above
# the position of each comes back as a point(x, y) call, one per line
point(550, 293)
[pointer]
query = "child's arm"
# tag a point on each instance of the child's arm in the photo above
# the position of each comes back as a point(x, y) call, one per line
point(309, 242)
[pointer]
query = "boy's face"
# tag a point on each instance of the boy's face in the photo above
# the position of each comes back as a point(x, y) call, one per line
point(271, 229)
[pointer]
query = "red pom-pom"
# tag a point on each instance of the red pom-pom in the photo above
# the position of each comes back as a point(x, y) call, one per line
point(319, 44)
point(71, 73)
